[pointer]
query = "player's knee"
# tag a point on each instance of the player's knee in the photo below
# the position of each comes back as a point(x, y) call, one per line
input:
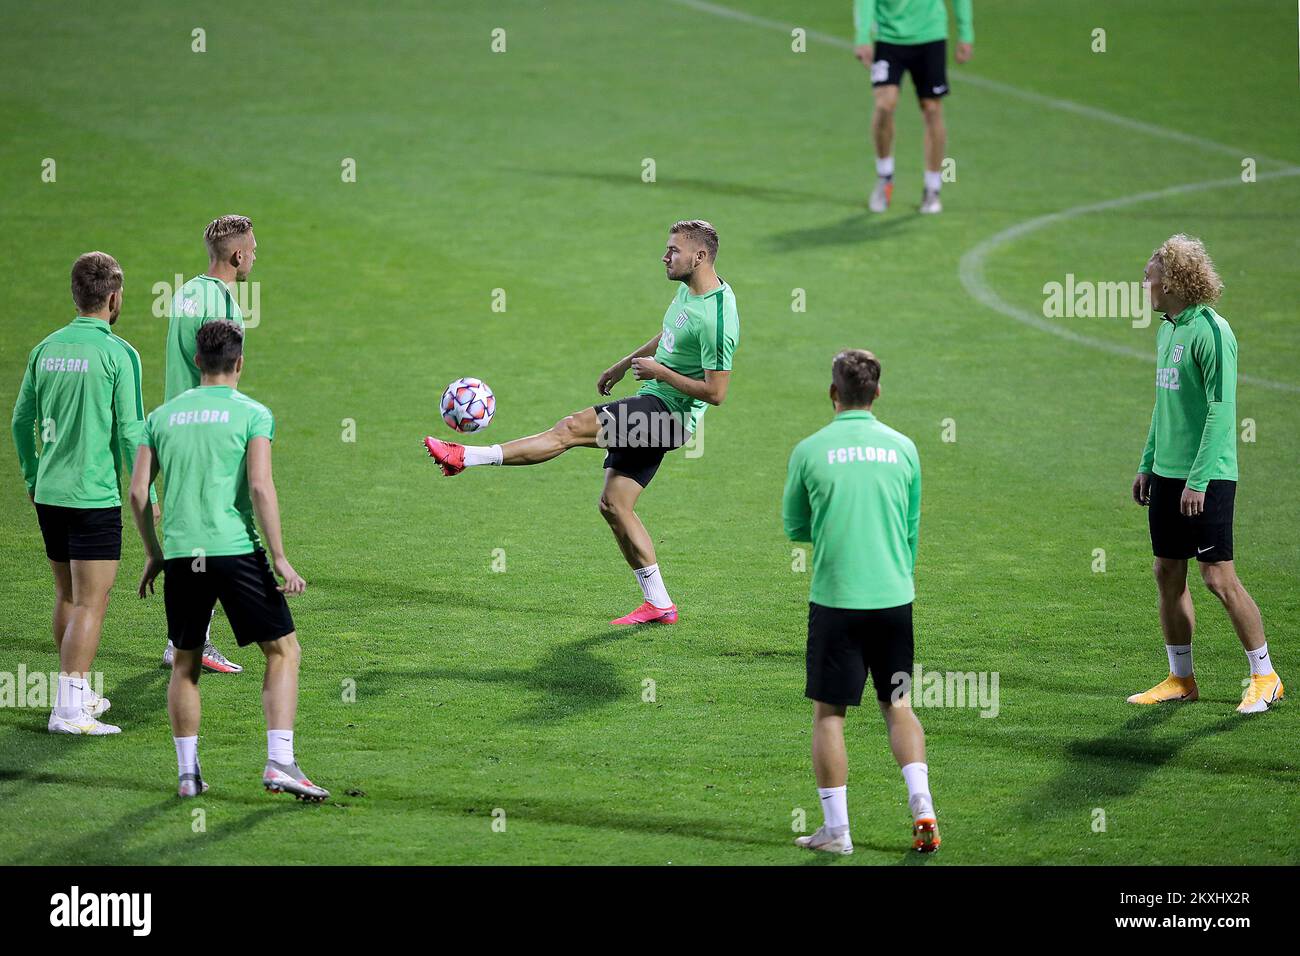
point(1169, 576)
point(610, 510)
point(933, 109)
point(565, 429)
point(1219, 581)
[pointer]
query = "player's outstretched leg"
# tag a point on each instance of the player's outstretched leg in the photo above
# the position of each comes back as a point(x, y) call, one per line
point(280, 704)
point(77, 706)
point(579, 429)
point(183, 708)
point(1265, 687)
point(831, 765)
point(1177, 621)
point(617, 507)
point(907, 741)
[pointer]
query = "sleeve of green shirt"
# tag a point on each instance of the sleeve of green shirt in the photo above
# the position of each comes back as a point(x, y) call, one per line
point(914, 508)
point(717, 339)
point(24, 428)
point(1219, 375)
point(1148, 461)
point(961, 9)
point(128, 414)
point(864, 21)
point(796, 512)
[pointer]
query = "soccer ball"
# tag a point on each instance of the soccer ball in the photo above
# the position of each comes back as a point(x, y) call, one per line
point(468, 405)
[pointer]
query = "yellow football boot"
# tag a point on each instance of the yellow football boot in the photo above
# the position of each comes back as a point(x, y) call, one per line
point(1263, 690)
point(1170, 689)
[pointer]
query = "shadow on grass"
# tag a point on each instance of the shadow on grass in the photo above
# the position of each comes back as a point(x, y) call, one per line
point(858, 228)
point(1116, 764)
point(396, 592)
point(568, 679)
point(713, 187)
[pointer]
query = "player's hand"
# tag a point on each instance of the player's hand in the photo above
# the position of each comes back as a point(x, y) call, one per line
point(865, 54)
point(157, 513)
point(646, 369)
point(1192, 502)
point(152, 568)
point(611, 377)
point(293, 582)
point(964, 52)
point(1142, 488)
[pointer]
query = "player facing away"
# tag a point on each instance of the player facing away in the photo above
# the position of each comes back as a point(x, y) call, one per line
point(213, 446)
point(689, 371)
point(1188, 474)
point(897, 36)
point(854, 490)
point(81, 394)
point(232, 250)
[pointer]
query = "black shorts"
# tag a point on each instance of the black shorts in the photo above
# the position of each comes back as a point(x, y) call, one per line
point(637, 432)
point(81, 534)
point(246, 588)
point(927, 62)
point(1206, 537)
point(844, 644)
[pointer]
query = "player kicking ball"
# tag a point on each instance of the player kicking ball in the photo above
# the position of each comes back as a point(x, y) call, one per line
point(214, 445)
point(689, 371)
point(854, 490)
point(1187, 478)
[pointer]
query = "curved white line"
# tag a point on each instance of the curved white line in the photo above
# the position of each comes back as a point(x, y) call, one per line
point(971, 268)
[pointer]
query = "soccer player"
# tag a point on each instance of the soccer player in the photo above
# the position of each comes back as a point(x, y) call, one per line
point(232, 250)
point(213, 444)
point(690, 370)
point(854, 490)
point(1188, 474)
point(81, 391)
point(911, 36)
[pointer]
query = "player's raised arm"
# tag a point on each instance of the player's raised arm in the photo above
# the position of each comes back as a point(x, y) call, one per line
point(266, 504)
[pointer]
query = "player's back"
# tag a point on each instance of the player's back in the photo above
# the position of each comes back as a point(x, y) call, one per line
point(201, 299)
point(201, 440)
point(75, 372)
point(863, 484)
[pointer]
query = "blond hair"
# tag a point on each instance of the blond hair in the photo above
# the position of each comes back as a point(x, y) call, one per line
point(1188, 270)
point(698, 230)
point(222, 230)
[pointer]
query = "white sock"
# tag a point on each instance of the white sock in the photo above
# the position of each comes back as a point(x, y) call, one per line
point(279, 746)
point(482, 455)
point(835, 807)
point(1180, 659)
point(917, 778)
point(885, 167)
point(71, 699)
point(652, 586)
point(187, 754)
point(933, 181)
point(1259, 662)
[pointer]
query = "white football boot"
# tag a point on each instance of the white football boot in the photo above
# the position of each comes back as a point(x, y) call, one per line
point(826, 841)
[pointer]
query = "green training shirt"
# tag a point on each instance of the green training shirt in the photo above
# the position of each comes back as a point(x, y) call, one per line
point(1193, 432)
point(854, 490)
point(700, 332)
point(200, 300)
point(201, 439)
point(910, 21)
point(81, 394)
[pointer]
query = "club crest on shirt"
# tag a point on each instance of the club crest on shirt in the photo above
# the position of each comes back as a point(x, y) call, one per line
point(1178, 353)
point(682, 318)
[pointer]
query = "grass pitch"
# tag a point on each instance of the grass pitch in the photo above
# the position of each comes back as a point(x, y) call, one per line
point(478, 691)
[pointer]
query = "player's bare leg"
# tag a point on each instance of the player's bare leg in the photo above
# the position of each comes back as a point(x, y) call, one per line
point(579, 429)
point(280, 705)
point(882, 134)
point(1177, 621)
point(1265, 686)
point(831, 766)
point(618, 507)
point(936, 142)
point(907, 741)
point(62, 601)
point(184, 709)
point(91, 582)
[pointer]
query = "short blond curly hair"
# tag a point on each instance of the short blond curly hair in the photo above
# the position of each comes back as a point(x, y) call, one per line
point(1188, 270)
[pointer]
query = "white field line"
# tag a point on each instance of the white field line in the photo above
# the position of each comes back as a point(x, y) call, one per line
point(971, 268)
